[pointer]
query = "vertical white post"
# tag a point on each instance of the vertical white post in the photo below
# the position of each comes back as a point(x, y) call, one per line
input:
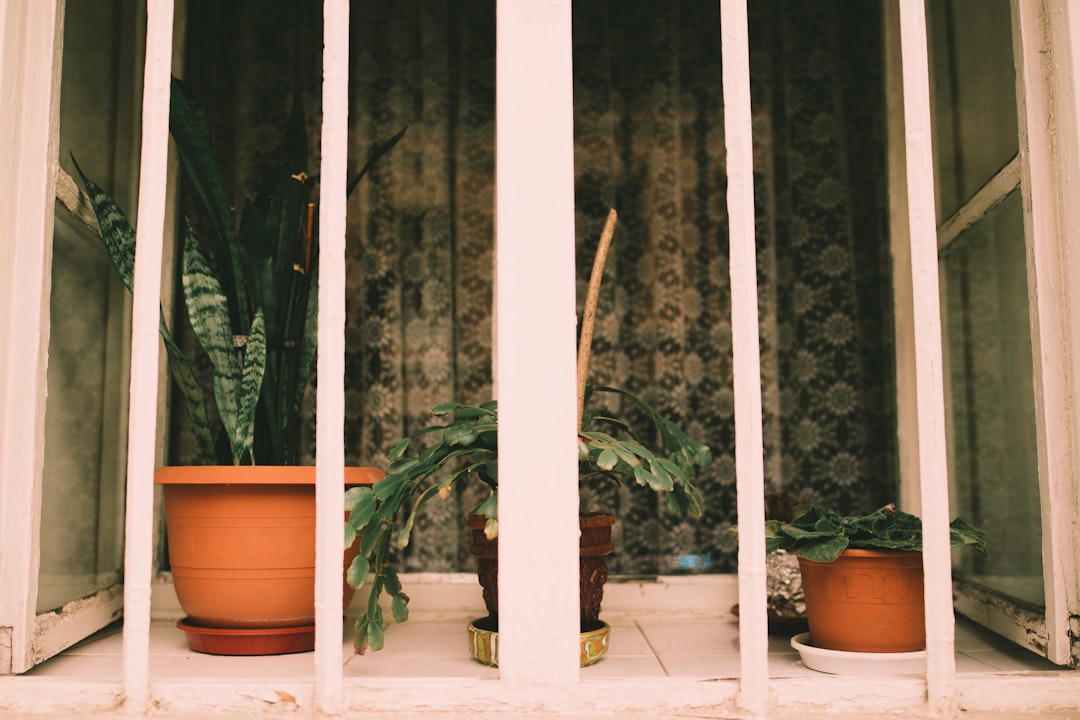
point(142, 413)
point(749, 462)
point(907, 421)
point(932, 466)
point(535, 331)
point(330, 397)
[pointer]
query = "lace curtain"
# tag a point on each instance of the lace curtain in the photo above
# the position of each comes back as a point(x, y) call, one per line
point(649, 142)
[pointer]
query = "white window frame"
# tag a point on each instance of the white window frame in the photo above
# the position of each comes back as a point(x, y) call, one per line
point(526, 33)
point(29, 35)
point(1045, 172)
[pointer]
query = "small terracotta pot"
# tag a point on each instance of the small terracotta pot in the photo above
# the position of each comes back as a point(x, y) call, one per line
point(242, 542)
point(866, 601)
point(595, 545)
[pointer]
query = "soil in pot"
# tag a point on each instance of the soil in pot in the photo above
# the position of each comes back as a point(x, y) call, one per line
point(866, 601)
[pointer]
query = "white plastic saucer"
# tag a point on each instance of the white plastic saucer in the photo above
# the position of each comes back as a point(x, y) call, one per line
point(839, 662)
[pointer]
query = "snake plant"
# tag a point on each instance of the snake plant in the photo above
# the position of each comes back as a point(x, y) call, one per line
point(248, 290)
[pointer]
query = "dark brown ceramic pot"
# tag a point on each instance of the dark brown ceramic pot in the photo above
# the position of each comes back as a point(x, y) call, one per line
point(595, 545)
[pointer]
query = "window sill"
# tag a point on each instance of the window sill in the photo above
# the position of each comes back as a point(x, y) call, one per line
point(664, 656)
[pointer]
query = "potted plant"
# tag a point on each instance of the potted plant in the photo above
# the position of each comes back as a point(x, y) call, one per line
point(241, 527)
point(862, 575)
point(428, 464)
point(786, 606)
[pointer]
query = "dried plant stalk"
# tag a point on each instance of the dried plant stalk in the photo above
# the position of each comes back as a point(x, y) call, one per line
point(588, 319)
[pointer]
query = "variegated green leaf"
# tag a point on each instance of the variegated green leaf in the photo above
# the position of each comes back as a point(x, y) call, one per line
point(209, 317)
point(187, 124)
point(116, 231)
point(194, 397)
point(250, 387)
point(118, 237)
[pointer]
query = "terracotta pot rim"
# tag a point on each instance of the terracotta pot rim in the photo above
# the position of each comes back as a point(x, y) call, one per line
point(256, 475)
point(880, 552)
point(868, 553)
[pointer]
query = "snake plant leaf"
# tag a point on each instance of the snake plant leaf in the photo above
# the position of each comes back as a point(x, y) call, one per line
point(194, 397)
point(116, 232)
point(250, 387)
point(118, 237)
point(309, 343)
point(188, 126)
point(375, 155)
point(209, 314)
point(259, 264)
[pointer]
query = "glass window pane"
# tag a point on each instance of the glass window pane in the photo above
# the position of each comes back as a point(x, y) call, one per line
point(82, 509)
point(990, 400)
point(973, 96)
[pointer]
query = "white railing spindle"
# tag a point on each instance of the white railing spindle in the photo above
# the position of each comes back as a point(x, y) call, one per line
point(749, 463)
point(535, 342)
point(142, 414)
point(933, 470)
point(330, 398)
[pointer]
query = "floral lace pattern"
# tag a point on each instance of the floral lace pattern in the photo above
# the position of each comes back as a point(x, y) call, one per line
point(649, 141)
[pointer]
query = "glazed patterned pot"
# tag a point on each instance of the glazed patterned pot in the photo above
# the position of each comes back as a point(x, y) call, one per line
point(594, 547)
point(484, 643)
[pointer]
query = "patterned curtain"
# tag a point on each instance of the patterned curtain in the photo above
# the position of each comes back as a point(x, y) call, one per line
point(649, 142)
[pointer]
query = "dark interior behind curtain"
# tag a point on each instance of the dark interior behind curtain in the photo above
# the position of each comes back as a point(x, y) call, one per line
point(649, 141)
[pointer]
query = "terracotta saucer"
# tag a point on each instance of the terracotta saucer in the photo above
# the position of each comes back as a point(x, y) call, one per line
point(248, 641)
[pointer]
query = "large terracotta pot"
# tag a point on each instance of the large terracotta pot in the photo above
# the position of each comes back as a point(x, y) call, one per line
point(242, 543)
point(866, 601)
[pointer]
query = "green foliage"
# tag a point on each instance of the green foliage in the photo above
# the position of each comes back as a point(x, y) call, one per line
point(429, 463)
point(821, 535)
point(250, 290)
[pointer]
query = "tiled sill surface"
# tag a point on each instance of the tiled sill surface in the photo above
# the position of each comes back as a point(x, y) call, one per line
point(642, 646)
